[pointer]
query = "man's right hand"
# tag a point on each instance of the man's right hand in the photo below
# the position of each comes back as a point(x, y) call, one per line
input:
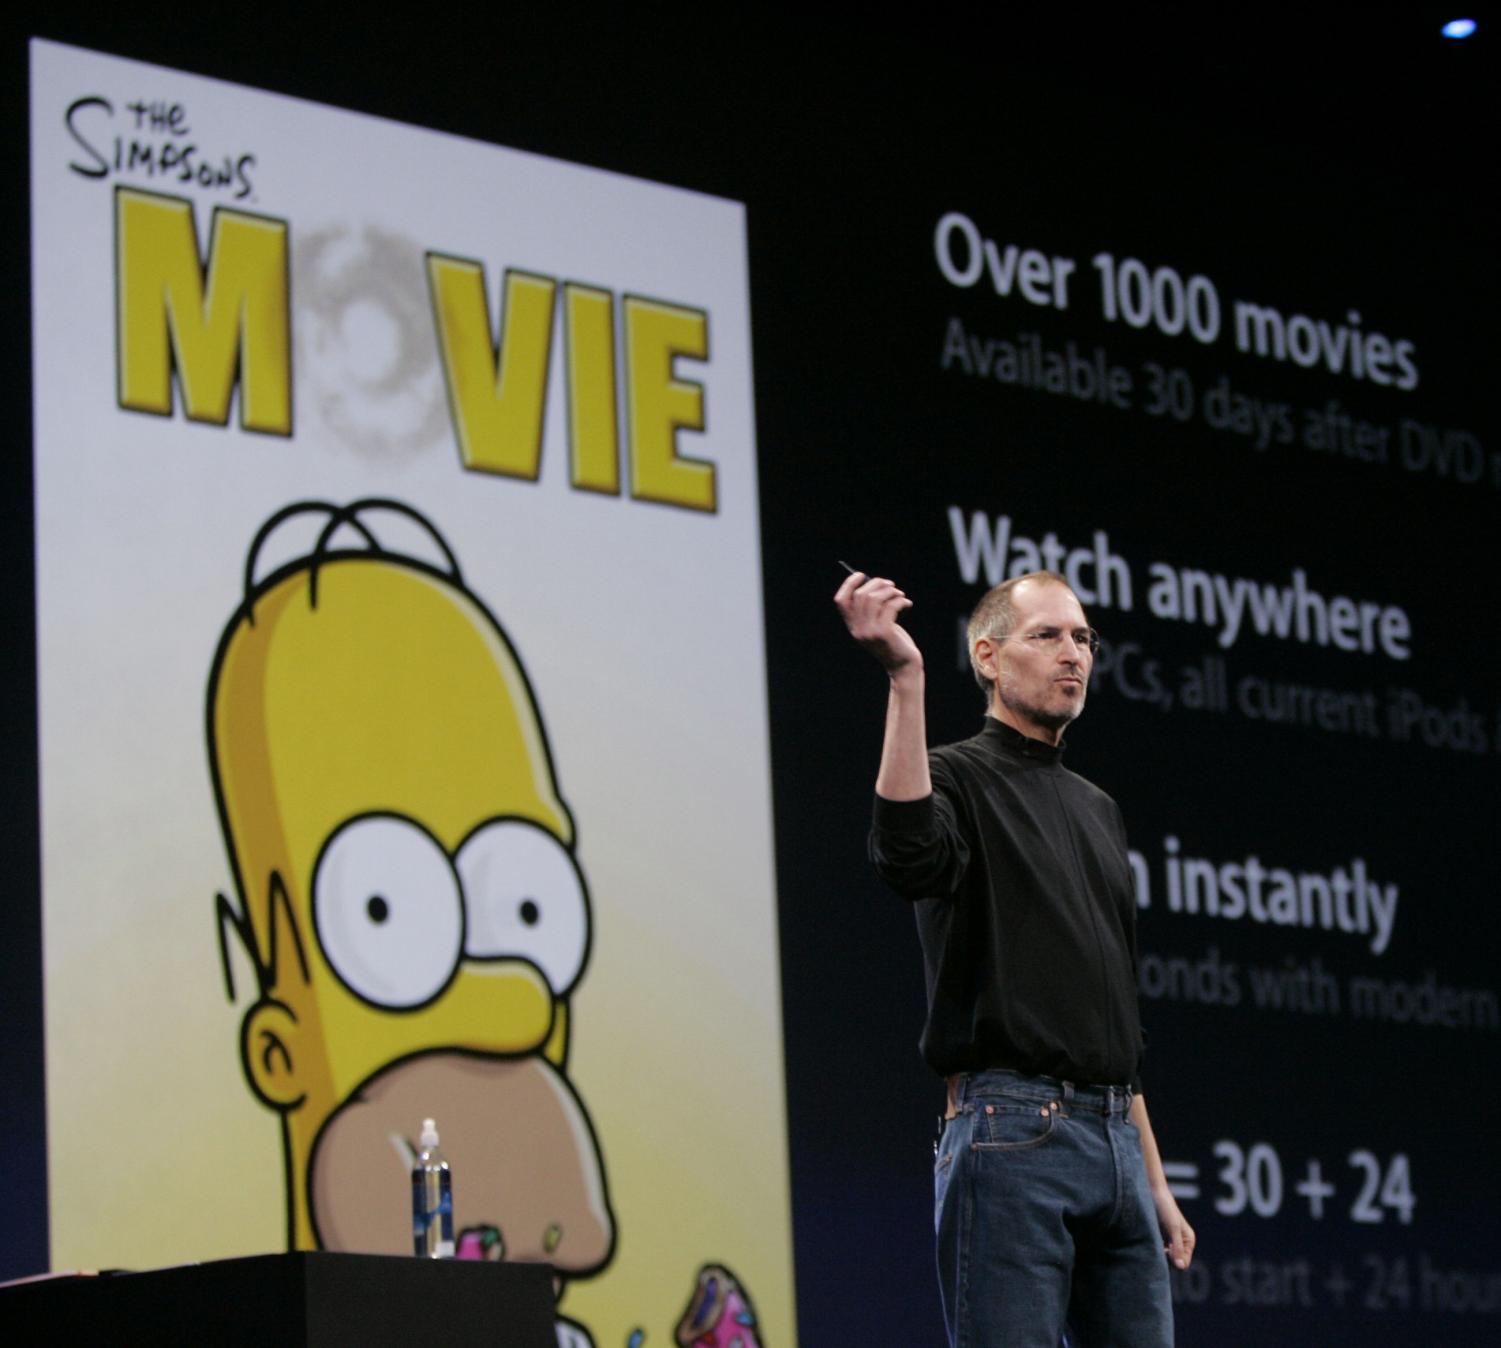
point(870, 608)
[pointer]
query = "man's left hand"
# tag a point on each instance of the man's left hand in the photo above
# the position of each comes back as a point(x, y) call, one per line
point(1177, 1235)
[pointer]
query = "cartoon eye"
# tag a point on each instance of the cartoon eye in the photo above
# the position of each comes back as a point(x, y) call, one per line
point(526, 898)
point(388, 912)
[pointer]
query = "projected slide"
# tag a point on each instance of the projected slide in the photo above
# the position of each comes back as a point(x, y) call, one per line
point(402, 703)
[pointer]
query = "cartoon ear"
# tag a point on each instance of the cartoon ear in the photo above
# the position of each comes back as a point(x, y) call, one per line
point(270, 1037)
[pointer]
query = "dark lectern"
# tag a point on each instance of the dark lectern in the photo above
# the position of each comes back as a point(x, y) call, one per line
point(295, 1299)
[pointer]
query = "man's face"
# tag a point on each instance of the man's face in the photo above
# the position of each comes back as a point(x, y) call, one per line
point(1042, 669)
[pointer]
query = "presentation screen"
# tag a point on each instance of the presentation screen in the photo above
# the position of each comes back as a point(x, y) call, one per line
point(397, 558)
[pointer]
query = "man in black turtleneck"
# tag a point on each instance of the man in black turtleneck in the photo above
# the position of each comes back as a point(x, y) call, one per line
point(1051, 1203)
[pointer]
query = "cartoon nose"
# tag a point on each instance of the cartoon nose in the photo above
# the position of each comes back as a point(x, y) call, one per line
point(500, 1006)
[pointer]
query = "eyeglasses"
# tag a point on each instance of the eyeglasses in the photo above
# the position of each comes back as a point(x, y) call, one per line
point(1049, 640)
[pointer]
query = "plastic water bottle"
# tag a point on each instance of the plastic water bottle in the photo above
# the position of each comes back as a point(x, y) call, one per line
point(432, 1198)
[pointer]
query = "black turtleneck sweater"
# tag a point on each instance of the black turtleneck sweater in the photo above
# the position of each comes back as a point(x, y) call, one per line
point(1025, 909)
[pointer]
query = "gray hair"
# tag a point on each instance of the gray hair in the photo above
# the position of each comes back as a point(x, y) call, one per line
point(995, 617)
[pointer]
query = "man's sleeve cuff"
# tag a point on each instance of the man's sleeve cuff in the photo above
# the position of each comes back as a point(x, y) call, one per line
point(903, 816)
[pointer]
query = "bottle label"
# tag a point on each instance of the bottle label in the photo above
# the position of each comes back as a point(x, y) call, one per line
point(432, 1212)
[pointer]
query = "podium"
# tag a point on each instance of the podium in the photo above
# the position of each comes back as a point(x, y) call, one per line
point(295, 1299)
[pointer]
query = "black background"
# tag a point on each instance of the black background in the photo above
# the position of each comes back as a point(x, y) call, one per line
point(1298, 162)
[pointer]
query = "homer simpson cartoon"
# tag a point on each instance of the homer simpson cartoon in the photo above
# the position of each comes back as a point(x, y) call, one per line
point(407, 889)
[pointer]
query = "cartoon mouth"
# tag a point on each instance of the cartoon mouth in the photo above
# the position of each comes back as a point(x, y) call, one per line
point(488, 1244)
point(481, 1242)
point(527, 1180)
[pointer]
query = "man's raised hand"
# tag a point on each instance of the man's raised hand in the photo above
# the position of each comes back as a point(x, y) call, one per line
point(870, 608)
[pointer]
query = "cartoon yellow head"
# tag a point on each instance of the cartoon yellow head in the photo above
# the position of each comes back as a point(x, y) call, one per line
point(409, 894)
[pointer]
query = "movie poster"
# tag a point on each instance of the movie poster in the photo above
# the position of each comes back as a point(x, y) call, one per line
point(402, 703)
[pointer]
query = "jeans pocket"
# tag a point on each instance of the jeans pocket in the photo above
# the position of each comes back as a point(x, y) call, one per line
point(1012, 1125)
point(943, 1173)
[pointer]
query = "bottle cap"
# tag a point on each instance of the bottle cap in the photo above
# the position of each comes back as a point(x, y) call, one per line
point(429, 1138)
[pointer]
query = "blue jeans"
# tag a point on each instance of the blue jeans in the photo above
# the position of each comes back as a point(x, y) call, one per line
point(1044, 1216)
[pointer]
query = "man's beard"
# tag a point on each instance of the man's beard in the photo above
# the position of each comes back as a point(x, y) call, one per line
point(1049, 718)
